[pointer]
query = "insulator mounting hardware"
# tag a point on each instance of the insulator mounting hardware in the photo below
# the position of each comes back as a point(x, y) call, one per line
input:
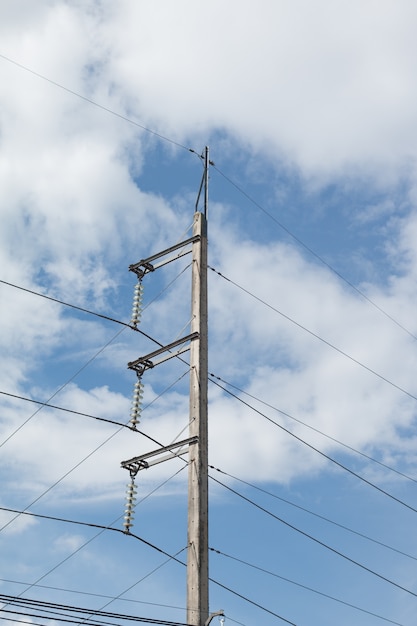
point(145, 362)
point(175, 449)
point(135, 466)
point(144, 266)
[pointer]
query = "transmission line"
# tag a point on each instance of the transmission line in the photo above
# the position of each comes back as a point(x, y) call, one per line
point(111, 525)
point(147, 543)
point(96, 104)
point(323, 454)
point(314, 539)
point(305, 510)
point(316, 430)
point(293, 582)
point(64, 610)
point(313, 253)
point(313, 334)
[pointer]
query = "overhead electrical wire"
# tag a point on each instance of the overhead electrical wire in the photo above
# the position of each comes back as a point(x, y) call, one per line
point(89, 541)
point(230, 384)
point(323, 454)
point(59, 519)
point(63, 610)
point(67, 473)
point(316, 430)
point(59, 618)
point(106, 317)
point(293, 582)
point(61, 388)
point(180, 145)
point(122, 426)
point(95, 313)
point(312, 252)
point(319, 451)
point(88, 593)
point(111, 599)
point(317, 515)
point(71, 379)
point(158, 567)
point(171, 557)
point(46, 405)
point(84, 310)
point(284, 620)
point(313, 334)
point(96, 104)
point(57, 482)
point(132, 586)
point(314, 539)
point(147, 543)
point(224, 176)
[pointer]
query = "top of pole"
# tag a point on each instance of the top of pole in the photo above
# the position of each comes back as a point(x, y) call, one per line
point(204, 182)
point(206, 179)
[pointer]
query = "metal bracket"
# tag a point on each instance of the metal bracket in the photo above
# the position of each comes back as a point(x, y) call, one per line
point(146, 362)
point(144, 266)
point(210, 617)
point(138, 462)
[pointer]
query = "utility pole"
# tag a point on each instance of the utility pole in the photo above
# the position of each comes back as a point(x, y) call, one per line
point(197, 562)
point(196, 445)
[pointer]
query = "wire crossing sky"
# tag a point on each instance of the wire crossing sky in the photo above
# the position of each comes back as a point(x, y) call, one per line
point(309, 113)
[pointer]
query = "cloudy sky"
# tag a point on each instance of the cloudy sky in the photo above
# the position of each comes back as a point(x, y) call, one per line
point(310, 113)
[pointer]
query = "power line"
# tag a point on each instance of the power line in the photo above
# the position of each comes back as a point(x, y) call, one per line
point(96, 104)
point(147, 543)
point(252, 602)
point(119, 596)
point(326, 456)
point(230, 384)
point(81, 547)
point(313, 253)
point(321, 543)
point(60, 408)
point(310, 332)
point(316, 430)
point(86, 593)
point(72, 306)
point(60, 479)
point(54, 518)
point(62, 387)
point(305, 510)
point(63, 610)
point(293, 582)
point(94, 356)
point(95, 417)
point(87, 457)
point(95, 313)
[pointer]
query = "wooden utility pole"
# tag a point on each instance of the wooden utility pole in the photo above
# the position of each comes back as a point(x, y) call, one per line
point(197, 563)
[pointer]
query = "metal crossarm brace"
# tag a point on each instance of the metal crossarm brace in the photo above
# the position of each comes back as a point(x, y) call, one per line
point(147, 264)
point(139, 462)
point(145, 362)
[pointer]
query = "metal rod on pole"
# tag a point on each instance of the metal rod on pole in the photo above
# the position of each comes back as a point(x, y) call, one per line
point(197, 560)
point(206, 179)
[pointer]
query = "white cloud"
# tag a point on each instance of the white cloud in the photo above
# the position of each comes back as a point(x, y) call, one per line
point(326, 88)
point(278, 79)
point(288, 93)
point(68, 543)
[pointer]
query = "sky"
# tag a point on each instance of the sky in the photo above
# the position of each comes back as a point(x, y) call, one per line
point(309, 112)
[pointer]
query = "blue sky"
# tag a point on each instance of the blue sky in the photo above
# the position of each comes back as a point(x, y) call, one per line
point(310, 115)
